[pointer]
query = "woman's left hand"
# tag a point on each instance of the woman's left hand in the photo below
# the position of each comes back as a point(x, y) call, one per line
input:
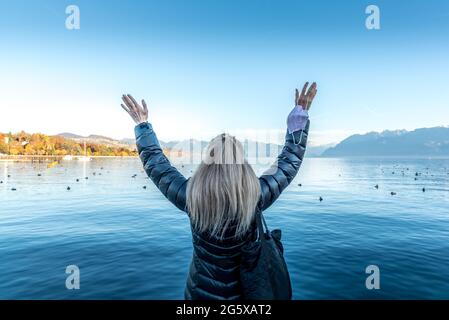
point(297, 119)
point(305, 99)
point(138, 113)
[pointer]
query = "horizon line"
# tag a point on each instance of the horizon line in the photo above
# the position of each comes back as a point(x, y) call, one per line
point(205, 140)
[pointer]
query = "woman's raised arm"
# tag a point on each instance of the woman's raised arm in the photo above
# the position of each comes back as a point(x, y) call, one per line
point(167, 178)
point(287, 165)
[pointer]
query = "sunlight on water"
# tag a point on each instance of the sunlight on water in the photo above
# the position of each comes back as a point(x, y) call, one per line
point(130, 242)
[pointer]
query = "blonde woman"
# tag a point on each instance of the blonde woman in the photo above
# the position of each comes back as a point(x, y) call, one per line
point(222, 195)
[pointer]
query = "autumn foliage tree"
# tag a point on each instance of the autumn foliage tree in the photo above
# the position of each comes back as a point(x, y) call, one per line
point(23, 143)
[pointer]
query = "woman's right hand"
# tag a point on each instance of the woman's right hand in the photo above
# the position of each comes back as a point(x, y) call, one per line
point(137, 113)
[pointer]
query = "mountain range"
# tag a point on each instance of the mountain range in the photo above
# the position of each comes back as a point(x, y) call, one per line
point(419, 142)
point(98, 139)
point(188, 145)
point(267, 149)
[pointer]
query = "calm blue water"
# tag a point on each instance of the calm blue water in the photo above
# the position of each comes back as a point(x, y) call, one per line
point(130, 243)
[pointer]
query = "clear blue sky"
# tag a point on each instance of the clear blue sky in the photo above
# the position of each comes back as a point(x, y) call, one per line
point(205, 66)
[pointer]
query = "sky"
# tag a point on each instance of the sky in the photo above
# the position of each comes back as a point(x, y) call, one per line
point(208, 66)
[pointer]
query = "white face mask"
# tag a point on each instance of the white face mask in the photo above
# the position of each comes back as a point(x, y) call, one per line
point(297, 119)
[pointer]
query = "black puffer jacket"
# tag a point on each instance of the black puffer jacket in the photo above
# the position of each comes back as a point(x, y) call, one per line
point(214, 270)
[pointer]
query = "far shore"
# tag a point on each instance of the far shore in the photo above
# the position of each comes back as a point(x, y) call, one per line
point(43, 158)
point(49, 158)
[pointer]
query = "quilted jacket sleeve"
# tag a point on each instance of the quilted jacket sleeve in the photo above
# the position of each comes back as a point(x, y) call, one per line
point(282, 172)
point(167, 178)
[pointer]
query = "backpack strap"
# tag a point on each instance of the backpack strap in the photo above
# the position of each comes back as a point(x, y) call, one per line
point(262, 228)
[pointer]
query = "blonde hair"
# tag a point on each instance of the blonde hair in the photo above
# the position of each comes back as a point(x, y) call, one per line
point(223, 190)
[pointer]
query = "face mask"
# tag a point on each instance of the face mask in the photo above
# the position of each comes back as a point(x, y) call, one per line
point(297, 119)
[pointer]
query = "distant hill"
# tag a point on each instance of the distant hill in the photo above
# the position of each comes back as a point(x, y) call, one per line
point(130, 141)
point(94, 138)
point(197, 146)
point(189, 145)
point(69, 135)
point(38, 144)
point(98, 137)
point(317, 151)
point(263, 149)
point(419, 142)
point(68, 143)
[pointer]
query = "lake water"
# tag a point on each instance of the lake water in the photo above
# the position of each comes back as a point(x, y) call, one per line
point(131, 243)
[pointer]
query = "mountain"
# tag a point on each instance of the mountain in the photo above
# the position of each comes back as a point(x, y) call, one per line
point(39, 144)
point(193, 145)
point(252, 148)
point(130, 141)
point(69, 135)
point(419, 142)
point(99, 139)
point(187, 145)
point(262, 149)
point(317, 151)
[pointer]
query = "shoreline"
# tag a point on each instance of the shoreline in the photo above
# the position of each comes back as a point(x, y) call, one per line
point(43, 158)
point(49, 158)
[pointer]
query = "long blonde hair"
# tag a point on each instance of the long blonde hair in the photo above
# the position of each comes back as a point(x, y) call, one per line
point(223, 190)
